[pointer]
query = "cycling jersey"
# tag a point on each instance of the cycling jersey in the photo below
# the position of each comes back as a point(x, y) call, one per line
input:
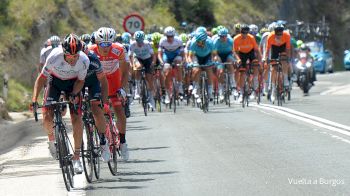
point(56, 66)
point(223, 47)
point(280, 45)
point(201, 51)
point(44, 53)
point(171, 51)
point(167, 47)
point(110, 65)
point(244, 45)
point(91, 80)
point(141, 52)
point(95, 68)
point(110, 62)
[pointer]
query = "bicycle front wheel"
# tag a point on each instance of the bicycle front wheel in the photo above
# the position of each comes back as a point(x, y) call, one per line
point(87, 148)
point(64, 159)
point(112, 163)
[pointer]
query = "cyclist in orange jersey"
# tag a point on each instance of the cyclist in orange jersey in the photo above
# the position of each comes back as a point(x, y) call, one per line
point(245, 48)
point(279, 43)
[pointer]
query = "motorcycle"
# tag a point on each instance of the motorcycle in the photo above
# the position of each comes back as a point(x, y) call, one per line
point(304, 72)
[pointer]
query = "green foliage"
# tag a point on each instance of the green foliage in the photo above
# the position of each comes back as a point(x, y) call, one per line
point(18, 97)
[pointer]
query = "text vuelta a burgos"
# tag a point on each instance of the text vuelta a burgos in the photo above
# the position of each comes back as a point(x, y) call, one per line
point(316, 181)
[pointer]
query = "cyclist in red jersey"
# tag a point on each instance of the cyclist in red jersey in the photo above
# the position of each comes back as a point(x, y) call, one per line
point(113, 59)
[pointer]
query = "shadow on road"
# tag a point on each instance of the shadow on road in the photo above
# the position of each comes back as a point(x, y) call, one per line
point(149, 148)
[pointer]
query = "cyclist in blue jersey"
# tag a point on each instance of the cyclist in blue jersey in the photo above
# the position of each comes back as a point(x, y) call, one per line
point(201, 53)
point(97, 84)
point(223, 46)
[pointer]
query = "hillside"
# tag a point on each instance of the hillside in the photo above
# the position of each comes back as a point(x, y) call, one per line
point(25, 25)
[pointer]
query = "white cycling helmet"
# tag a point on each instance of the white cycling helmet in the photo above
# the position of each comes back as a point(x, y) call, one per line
point(169, 31)
point(254, 29)
point(105, 34)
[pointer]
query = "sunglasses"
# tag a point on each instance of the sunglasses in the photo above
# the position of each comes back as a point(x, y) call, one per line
point(222, 36)
point(279, 34)
point(244, 32)
point(105, 44)
point(169, 36)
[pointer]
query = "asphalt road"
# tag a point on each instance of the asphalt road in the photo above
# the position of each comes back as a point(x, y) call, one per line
point(257, 150)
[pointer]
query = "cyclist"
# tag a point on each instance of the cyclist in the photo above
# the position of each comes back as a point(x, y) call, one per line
point(170, 52)
point(141, 55)
point(156, 37)
point(201, 53)
point(279, 43)
point(223, 53)
point(113, 60)
point(65, 70)
point(265, 33)
point(254, 30)
point(97, 84)
point(53, 42)
point(246, 48)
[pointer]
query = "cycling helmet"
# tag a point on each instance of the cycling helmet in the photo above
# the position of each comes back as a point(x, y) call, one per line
point(254, 29)
point(223, 32)
point(201, 36)
point(220, 27)
point(272, 26)
point(85, 38)
point(264, 30)
point(148, 37)
point(118, 38)
point(126, 38)
point(139, 36)
point(278, 28)
point(55, 41)
point(214, 30)
point(238, 27)
point(244, 28)
point(299, 43)
point(184, 38)
point(105, 34)
point(169, 31)
point(201, 29)
point(156, 37)
point(71, 44)
point(93, 40)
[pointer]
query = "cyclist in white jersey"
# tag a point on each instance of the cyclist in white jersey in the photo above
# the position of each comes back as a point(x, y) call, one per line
point(170, 52)
point(53, 42)
point(65, 70)
point(141, 55)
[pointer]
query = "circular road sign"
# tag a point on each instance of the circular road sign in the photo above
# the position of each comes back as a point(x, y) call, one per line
point(133, 23)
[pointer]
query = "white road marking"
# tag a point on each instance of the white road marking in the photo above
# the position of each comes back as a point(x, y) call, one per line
point(317, 121)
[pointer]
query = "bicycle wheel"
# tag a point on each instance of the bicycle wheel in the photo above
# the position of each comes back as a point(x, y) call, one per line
point(205, 95)
point(144, 98)
point(87, 148)
point(112, 164)
point(96, 153)
point(158, 99)
point(173, 97)
point(227, 90)
point(279, 89)
point(63, 157)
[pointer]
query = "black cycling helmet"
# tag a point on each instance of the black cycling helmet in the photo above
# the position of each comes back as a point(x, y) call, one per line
point(71, 44)
point(279, 28)
point(118, 38)
point(85, 38)
point(92, 38)
point(245, 28)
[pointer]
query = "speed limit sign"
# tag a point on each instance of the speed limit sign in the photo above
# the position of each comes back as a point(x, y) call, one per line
point(133, 23)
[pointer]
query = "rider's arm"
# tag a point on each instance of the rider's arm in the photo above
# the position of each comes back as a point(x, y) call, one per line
point(78, 85)
point(39, 84)
point(257, 50)
point(235, 49)
point(104, 86)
